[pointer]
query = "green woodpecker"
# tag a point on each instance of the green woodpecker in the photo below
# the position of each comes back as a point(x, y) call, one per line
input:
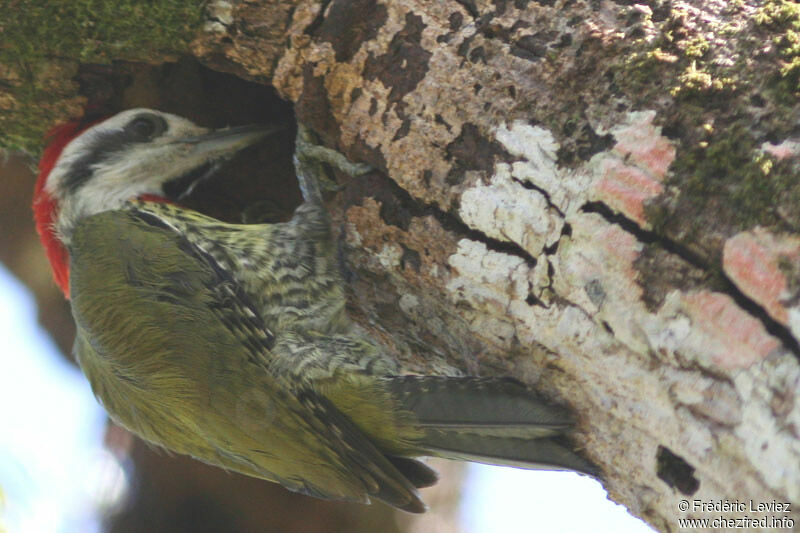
point(230, 342)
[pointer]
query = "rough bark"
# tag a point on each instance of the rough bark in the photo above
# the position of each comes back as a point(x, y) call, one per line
point(597, 197)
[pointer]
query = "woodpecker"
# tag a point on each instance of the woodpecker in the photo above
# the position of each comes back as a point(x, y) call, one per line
point(230, 342)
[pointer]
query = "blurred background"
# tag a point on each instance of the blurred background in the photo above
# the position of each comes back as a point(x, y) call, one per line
point(65, 468)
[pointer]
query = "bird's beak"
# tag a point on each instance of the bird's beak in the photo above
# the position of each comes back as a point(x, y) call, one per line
point(228, 140)
point(208, 149)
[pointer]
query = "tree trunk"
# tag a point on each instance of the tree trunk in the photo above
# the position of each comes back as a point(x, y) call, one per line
point(599, 198)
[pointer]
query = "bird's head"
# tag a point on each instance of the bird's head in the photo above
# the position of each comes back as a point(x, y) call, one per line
point(138, 153)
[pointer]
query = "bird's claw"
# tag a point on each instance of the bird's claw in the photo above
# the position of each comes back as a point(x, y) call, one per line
point(309, 156)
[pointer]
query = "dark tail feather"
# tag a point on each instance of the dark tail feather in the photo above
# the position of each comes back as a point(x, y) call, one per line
point(490, 420)
point(418, 473)
point(539, 454)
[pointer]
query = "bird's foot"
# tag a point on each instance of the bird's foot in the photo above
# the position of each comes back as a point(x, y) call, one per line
point(308, 159)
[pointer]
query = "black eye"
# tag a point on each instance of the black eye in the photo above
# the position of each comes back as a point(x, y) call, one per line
point(146, 127)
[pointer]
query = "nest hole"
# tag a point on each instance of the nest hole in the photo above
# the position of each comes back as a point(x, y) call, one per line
point(258, 185)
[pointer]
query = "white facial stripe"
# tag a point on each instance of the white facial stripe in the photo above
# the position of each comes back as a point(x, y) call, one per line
point(178, 127)
point(125, 171)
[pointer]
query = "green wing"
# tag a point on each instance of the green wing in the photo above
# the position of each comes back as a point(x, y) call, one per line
point(177, 352)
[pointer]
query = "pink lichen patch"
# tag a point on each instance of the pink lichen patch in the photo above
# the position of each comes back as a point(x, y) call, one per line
point(620, 249)
point(619, 244)
point(605, 249)
point(752, 259)
point(787, 148)
point(732, 338)
point(625, 188)
point(642, 144)
point(632, 172)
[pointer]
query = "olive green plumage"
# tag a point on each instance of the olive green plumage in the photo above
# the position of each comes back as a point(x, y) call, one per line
point(230, 343)
point(180, 354)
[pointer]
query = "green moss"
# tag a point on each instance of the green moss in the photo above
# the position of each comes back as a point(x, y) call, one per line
point(679, 65)
point(730, 177)
point(721, 179)
point(723, 173)
point(696, 47)
point(782, 19)
point(39, 37)
point(689, 66)
point(638, 68)
point(776, 13)
point(694, 81)
point(99, 30)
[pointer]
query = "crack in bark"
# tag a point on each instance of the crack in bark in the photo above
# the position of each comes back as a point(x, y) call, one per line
point(728, 287)
point(319, 19)
point(532, 187)
point(566, 231)
point(534, 300)
point(450, 222)
point(212, 18)
point(469, 7)
point(454, 224)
